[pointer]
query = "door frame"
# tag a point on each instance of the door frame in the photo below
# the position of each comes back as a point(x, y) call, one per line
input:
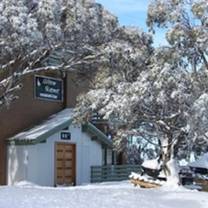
point(74, 163)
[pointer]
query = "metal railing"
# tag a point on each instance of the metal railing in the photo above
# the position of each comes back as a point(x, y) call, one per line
point(112, 172)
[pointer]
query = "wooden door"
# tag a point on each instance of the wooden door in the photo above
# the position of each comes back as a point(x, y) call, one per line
point(65, 164)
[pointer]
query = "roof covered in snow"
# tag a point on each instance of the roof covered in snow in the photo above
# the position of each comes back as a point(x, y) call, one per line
point(202, 162)
point(47, 128)
point(52, 125)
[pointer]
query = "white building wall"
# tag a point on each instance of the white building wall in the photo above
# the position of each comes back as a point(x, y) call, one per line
point(15, 164)
point(35, 163)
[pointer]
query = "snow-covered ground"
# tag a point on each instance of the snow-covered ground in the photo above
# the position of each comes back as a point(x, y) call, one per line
point(104, 195)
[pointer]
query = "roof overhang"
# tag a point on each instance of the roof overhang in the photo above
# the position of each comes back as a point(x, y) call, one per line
point(47, 128)
point(99, 135)
point(54, 124)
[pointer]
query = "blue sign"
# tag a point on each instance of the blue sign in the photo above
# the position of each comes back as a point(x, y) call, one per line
point(48, 88)
point(66, 135)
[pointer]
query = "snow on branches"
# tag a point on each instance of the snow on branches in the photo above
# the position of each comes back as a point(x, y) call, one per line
point(135, 84)
point(158, 86)
point(32, 31)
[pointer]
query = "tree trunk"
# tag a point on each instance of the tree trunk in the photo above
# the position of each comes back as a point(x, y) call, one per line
point(168, 163)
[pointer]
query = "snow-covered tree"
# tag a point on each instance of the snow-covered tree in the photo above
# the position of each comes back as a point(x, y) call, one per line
point(187, 34)
point(160, 87)
point(31, 31)
point(187, 28)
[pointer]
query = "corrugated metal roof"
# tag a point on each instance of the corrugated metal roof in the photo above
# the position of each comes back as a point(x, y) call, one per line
point(47, 128)
point(52, 125)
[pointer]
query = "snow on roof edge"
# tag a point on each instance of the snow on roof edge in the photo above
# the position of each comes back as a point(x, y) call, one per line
point(54, 121)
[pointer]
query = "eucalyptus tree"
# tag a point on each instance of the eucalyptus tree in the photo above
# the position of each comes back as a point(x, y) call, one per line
point(160, 87)
point(187, 28)
point(186, 23)
point(159, 97)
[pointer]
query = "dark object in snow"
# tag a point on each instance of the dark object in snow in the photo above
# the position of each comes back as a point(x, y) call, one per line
point(199, 170)
point(154, 173)
point(194, 178)
point(186, 180)
point(186, 176)
point(162, 178)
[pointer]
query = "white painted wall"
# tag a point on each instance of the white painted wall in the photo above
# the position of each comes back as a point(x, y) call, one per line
point(35, 163)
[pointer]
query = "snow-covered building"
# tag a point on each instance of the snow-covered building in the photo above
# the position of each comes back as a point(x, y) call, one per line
point(57, 152)
point(30, 140)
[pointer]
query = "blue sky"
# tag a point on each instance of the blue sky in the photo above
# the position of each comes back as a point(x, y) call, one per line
point(132, 13)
